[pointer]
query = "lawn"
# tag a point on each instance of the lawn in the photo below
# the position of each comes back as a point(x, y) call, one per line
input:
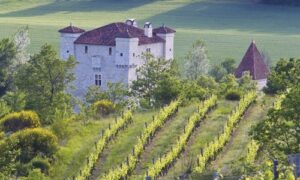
point(227, 26)
point(79, 143)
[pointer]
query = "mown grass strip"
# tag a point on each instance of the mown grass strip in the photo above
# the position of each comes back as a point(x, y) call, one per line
point(99, 146)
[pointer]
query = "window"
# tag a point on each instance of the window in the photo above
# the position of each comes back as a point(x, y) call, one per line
point(133, 54)
point(110, 51)
point(86, 49)
point(121, 54)
point(98, 80)
point(148, 50)
point(68, 51)
point(170, 49)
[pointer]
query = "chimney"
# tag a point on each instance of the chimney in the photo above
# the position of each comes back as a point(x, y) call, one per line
point(148, 29)
point(131, 22)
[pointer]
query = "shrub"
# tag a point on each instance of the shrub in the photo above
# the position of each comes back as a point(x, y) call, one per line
point(36, 174)
point(20, 120)
point(104, 107)
point(233, 95)
point(41, 164)
point(33, 142)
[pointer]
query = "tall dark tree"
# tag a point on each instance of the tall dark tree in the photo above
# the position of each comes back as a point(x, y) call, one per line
point(280, 132)
point(7, 54)
point(285, 74)
point(44, 79)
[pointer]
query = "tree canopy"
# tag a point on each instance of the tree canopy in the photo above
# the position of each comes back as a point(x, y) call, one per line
point(44, 79)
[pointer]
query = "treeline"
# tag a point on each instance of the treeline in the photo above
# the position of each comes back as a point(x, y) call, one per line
point(282, 2)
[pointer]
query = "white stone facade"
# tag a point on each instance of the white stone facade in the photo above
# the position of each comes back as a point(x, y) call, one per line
point(100, 64)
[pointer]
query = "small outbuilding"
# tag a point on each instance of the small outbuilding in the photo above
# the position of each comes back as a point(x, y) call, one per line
point(254, 63)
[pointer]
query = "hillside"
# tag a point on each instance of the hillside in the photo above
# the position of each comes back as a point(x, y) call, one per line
point(226, 26)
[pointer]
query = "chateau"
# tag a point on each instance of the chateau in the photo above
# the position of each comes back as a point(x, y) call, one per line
point(112, 53)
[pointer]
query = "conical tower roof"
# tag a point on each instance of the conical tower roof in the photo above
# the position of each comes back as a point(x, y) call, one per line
point(254, 63)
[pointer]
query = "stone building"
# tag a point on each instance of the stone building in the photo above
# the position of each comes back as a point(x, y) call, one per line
point(112, 53)
point(254, 63)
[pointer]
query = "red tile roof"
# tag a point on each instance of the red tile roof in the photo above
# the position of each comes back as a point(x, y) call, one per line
point(106, 35)
point(71, 29)
point(254, 63)
point(163, 30)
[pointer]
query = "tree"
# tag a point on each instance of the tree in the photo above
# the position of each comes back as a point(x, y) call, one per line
point(282, 2)
point(218, 72)
point(168, 89)
point(285, 74)
point(21, 41)
point(94, 93)
point(196, 62)
point(44, 79)
point(229, 65)
point(15, 100)
point(280, 132)
point(116, 92)
point(246, 83)
point(148, 77)
point(7, 54)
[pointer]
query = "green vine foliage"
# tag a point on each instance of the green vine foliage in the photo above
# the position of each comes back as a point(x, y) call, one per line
point(212, 148)
point(102, 142)
point(177, 148)
point(128, 166)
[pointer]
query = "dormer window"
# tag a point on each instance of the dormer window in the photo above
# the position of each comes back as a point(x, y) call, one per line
point(86, 49)
point(110, 51)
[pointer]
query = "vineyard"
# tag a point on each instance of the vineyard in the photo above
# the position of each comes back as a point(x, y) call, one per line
point(180, 140)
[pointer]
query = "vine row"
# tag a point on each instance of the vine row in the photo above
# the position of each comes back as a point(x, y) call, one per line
point(101, 143)
point(158, 121)
point(253, 146)
point(212, 148)
point(170, 157)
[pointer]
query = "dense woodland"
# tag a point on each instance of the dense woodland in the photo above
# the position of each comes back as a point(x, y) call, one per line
point(37, 113)
point(282, 2)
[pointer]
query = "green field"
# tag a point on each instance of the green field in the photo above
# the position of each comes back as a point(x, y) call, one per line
point(227, 26)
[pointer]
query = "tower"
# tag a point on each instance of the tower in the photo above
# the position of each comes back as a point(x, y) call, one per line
point(126, 49)
point(67, 37)
point(168, 35)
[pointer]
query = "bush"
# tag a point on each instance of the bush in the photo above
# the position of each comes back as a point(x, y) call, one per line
point(104, 107)
point(35, 174)
point(41, 164)
point(33, 142)
point(233, 95)
point(20, 120)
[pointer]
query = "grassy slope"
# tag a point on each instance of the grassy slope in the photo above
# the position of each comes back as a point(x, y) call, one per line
point(227, 26)
point(80, 142)
point(235, 149)
point(211, 126)
point(116, 152)
point(164, 139)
